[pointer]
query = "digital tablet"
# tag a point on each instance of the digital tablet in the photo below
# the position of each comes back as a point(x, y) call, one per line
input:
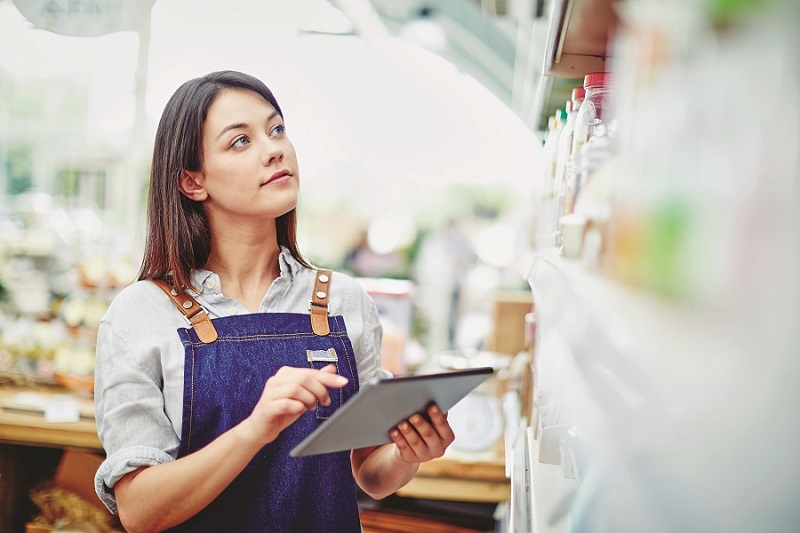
point(367, 418)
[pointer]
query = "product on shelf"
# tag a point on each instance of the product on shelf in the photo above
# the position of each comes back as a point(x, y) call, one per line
point(564, 157)
point(598, 90)
point(548, 201)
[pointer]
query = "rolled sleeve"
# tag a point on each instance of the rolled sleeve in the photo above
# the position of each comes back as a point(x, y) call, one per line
point(368, 347)
point(123, 462)
point(129, 407)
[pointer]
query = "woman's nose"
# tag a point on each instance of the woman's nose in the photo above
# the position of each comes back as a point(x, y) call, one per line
point(272, 152)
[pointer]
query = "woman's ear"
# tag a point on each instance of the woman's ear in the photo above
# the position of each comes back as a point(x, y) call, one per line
point(190, 186)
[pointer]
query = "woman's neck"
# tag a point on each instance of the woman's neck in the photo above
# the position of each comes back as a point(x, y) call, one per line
point(246, 261)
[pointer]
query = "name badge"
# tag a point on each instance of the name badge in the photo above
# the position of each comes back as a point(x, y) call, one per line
point(322, 356)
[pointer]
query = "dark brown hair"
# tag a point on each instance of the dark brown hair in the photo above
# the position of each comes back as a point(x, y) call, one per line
point(178, 235)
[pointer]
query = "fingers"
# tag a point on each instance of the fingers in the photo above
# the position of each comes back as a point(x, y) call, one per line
point(287, 395)
point(290, 406)
point(419, 440)
point(305, 384)
point(328, 377)
point(406, 453)
point(440, 424)
point(298, 393)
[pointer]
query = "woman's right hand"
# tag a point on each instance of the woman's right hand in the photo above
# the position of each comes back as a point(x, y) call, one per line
point(287, 395)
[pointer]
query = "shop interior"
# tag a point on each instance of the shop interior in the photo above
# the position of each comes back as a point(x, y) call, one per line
point(596, 198)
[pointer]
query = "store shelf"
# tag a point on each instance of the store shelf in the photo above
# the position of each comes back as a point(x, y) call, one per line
point(461, 476)
point(633, 347)
point(551, 492)
point(576, 44)
point(578, 35)
point(630, 369)
point(21, 423)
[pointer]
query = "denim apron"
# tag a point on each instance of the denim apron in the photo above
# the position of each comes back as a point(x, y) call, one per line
point(223, 381)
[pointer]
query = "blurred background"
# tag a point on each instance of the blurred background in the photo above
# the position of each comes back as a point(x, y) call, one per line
point(424, 169)
point(598, 198)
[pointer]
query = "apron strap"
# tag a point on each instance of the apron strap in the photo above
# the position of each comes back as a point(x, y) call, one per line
point(318, 306)
point(194, 313)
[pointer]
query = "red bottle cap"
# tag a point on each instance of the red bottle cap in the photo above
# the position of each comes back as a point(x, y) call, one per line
point(597, 79)
point(578, 93)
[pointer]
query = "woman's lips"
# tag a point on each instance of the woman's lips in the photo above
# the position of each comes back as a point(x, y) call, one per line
point(279, 177)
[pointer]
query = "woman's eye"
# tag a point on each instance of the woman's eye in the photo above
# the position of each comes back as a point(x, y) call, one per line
point(279, 129)
point(241, 141)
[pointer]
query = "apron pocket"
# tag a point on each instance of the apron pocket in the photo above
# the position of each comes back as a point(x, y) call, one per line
point(319, 359)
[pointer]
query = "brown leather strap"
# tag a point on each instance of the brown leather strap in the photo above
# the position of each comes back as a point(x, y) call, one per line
point(318, 306)
point(195, 314)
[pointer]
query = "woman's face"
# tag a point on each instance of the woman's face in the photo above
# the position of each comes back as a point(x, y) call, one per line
point(249, 164)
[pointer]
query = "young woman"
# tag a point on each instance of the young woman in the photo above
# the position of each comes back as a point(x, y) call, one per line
point(230, 348)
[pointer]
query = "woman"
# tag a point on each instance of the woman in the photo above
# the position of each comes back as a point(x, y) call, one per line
point(206, 379)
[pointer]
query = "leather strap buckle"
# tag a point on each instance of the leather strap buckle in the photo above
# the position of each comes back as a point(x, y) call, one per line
point(318, 305)
point(194, 313)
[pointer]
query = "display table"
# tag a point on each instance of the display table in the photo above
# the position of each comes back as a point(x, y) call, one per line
point(457, 476)
point(462, 476)
point(31, 445)
point(22, 419)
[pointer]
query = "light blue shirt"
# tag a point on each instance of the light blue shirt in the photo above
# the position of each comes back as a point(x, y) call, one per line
point(140, 357)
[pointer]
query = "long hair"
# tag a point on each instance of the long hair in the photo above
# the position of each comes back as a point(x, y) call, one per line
point(178, 239)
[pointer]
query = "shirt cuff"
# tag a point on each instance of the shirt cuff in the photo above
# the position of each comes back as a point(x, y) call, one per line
point(121, 463)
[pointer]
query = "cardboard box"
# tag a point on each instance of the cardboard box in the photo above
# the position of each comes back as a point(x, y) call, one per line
point(75, 473)
point(508, 319)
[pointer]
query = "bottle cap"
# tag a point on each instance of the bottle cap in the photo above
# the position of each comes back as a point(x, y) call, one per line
point(568, 106)
point(597, 79)
point(561, 114)
point(578, 94)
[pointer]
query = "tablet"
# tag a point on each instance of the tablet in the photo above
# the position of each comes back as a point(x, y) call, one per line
point(367, 418)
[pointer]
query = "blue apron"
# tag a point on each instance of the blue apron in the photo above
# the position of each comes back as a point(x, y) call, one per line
point(223, 381)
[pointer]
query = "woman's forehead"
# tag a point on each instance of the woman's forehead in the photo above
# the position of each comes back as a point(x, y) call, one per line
point(237, 100)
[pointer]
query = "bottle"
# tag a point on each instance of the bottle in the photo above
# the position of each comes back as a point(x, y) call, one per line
point(544, 227)
point(597, 87)
point(588, 121)
point(564, 154)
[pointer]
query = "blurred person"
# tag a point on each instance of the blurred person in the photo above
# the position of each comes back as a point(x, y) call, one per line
point(443, 262)
point(198, 422)
point(363, 261)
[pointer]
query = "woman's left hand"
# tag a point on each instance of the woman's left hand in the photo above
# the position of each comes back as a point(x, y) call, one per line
point(418, 440)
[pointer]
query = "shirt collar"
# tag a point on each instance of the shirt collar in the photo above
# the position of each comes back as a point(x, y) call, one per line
point(286, 262)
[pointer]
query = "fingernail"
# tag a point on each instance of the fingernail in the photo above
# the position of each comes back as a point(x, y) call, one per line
point(404, 426)
point(394, 434)
point(434, 409)
point(341, 380)
point(416, 419)
point(327, 402)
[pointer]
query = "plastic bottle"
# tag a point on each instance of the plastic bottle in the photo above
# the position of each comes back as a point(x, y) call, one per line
point(544, 227)
point(597, 86)
point(564, 153)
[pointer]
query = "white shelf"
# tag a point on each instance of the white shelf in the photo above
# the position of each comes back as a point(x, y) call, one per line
point(550, 492)
point(633, 372)
point(634, 347)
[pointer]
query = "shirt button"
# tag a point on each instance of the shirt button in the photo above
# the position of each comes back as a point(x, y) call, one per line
point(210, 284)
point(231, 311)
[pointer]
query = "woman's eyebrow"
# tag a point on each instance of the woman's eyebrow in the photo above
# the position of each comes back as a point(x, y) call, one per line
point(229, 127)
point(238, 125)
